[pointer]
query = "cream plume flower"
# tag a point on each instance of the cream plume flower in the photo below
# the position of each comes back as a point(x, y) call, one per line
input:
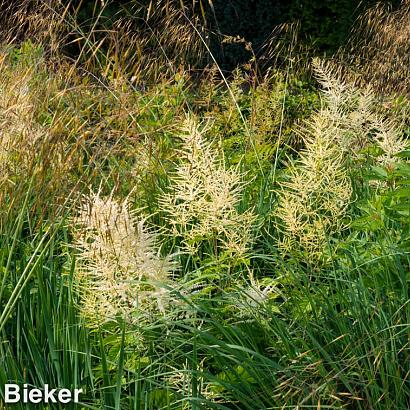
point(117, 254)
point(315, 197)
point(204, 194)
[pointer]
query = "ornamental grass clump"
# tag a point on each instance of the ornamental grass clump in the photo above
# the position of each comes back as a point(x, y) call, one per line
point(33, 146)
point(19, 131)
point(201, 204)
point(378, 50)
point(119, 270)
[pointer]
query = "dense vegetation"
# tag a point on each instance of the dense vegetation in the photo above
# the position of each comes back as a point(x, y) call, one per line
point(175, 239)
point(324, 24)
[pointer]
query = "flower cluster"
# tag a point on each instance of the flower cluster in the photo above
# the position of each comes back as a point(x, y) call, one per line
point(317, 193)
point(202, 202)
point(119, 269)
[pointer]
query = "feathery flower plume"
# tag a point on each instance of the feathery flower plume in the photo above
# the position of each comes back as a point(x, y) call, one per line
point(201, 205)
point(353, 113)
point(317, 193)
point(116, 254)
point(315, 197)
point(389, 140)
point(349, 110)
